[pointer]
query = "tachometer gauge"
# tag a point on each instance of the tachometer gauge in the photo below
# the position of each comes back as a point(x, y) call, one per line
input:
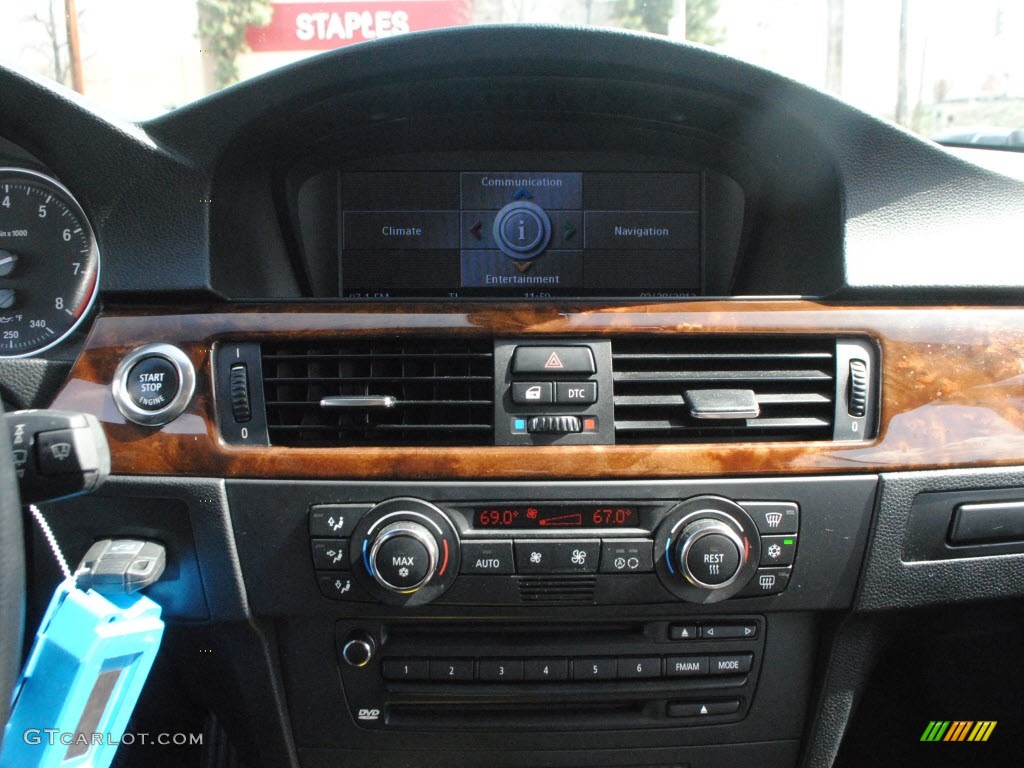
point(49, 263)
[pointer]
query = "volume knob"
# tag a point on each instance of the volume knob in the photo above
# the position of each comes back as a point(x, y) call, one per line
point(404, 557)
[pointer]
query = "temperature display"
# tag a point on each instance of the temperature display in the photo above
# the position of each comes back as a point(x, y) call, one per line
point(556, 516)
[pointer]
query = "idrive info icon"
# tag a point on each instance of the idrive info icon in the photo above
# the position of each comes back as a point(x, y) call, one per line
point(958, 730)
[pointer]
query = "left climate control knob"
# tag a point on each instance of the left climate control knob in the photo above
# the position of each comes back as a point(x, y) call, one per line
point(408, 550)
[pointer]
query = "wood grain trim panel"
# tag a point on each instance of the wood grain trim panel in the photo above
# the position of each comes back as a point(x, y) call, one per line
point(952, 380)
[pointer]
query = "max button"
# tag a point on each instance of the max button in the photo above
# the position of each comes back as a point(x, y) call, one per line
point(487, 558)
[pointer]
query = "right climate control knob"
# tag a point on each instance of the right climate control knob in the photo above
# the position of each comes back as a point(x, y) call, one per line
point(706, 549)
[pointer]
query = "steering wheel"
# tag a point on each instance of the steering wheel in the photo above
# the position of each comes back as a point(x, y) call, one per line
point(12, 576)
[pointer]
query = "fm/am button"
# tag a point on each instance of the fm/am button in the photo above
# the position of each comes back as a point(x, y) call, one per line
point(483, 558)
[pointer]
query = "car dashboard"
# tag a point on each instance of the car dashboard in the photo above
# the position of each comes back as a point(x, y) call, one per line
point(539, 396)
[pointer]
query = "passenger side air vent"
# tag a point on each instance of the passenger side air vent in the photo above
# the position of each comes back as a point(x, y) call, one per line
point(674, 390)
point(401, 392)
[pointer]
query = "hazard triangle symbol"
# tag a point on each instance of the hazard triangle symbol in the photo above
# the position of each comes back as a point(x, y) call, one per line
point(554, 361)
point(703, 709)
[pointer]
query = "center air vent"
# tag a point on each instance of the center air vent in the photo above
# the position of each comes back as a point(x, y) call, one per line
point(754, 389)
point(380, 392)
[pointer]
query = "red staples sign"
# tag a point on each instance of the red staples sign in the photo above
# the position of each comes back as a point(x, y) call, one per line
point(326, 25)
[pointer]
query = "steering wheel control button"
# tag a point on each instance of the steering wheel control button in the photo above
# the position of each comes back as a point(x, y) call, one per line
point(767, 581)
point(549, 361)
point(404, 556)
point(713, 559)
point(154, 384)
point(778, 550)
point(339, 585)
point(736, 664)
point(773, 517)
point(330, 554)
point(532, 392)
point(627, 556)
point(576, 556)
point(488, 558)
point(576, 392)
point(522, 230)
point(55, 452)
point(554, 425)
point(686, 666)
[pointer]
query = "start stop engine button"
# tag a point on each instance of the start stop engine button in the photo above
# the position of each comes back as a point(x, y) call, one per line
point(153, 383)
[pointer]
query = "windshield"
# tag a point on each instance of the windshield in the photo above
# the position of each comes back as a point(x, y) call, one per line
point(944, 68)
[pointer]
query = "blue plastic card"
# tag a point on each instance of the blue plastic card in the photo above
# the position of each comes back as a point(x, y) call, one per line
point(88, 664)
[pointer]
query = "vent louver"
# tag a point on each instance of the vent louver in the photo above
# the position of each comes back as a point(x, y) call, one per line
point(442, 390)
point(793, 382)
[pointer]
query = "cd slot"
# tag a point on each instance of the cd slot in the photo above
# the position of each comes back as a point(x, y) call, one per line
point(567, 716)
point(544, 635)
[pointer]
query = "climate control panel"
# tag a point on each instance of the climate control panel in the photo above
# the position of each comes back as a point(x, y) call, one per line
point(408, 551)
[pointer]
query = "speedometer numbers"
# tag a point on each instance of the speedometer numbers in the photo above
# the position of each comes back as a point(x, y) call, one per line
point(49, 263)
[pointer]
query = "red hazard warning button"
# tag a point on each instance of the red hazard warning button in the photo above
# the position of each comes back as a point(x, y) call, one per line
point(553, 360)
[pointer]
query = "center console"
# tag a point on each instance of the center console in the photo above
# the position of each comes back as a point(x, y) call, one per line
point(591, 610)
